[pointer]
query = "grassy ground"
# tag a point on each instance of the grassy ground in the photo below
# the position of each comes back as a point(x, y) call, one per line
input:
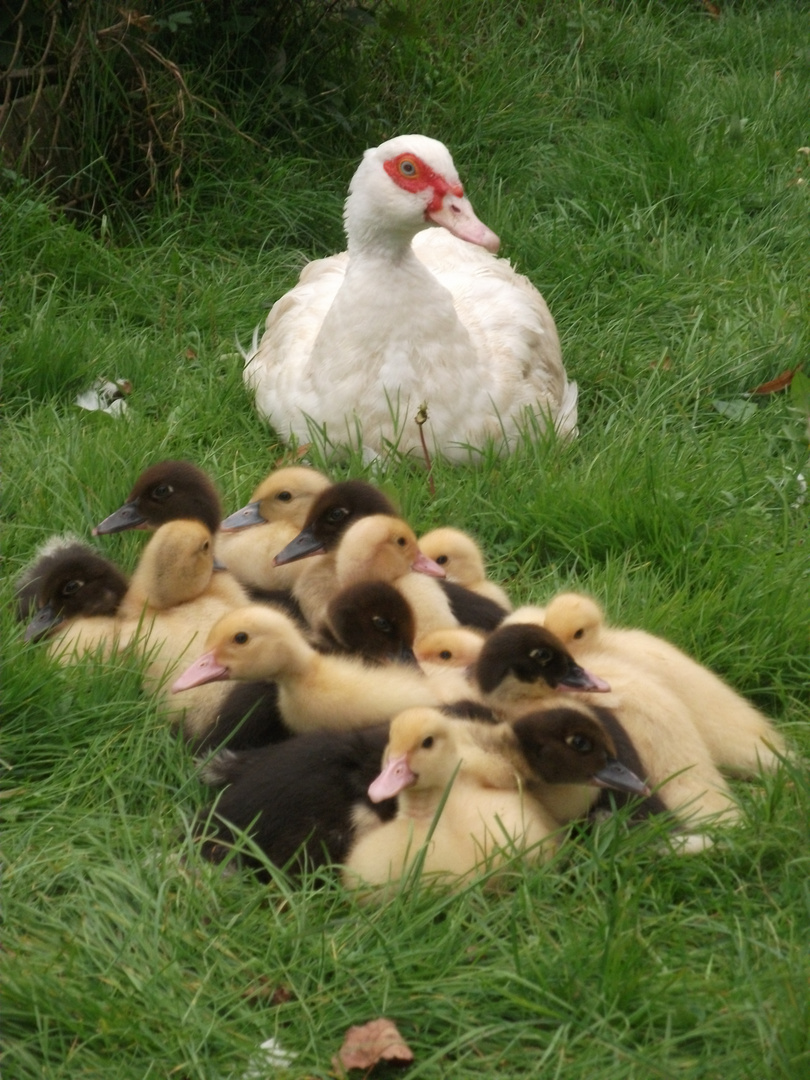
point(641, 163)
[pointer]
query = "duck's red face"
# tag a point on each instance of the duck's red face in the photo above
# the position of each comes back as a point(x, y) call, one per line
point(447, 206)
point(413, 174)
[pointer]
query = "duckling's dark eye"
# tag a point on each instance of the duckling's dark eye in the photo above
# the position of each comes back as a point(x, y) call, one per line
point(206, 544)
point(581, 743)
point(240, 638)
point(338, 513)
point(162, 492)
point(401, 541)
point(579, 633)
point(427, 743)
point(71, 587)
point(442, 559)
point(382, 624)
point(541, 656)
point(284, 496)
point(445, 654)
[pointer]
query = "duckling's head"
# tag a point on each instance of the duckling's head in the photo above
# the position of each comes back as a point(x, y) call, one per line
point(457, 553)
point(176, 564)
point(533, 657)
point(285, 495)
point(422, 752)
point(453, 646)
point(68, 580)
point(164, 492)
point(381, 548)
point(254, 643)
point(574, 618)
point(332, 512)
point(371, 618)
point(567, 745)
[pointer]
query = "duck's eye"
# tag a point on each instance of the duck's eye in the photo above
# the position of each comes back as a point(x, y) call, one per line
point(336, 514)
point(381, 624)
point(445, 654)
point(401, 541)
point(541, 656)
point(240, 638)
point(162, 492)
point(71, 587)
point(427, 743)
point(442, 559)
point(579, 633)
point(407, 167)
point(581, 743)
point(284, 496)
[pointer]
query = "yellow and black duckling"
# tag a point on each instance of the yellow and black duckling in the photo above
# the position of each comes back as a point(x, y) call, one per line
point(463, 562)
point(675, 760)
point(315, 691)
point(164, 492)
point(520, 664)
point(741, 740)
point(251, 537)
point(70, 594)
point(370, 620)
point(459, 809)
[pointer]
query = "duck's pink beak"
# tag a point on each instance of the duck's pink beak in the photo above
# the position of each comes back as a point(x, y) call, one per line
point(458, 217)
point(423, 565)
point(204, 670)
point(395, 777)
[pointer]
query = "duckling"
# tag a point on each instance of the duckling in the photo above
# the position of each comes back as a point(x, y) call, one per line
point(164, 492)
point(251, 538)
point(447, 657)
point(384, 548)
point(304, 801)
point(741, 740)
point(520, 664)
point(71, 594)
point(675, 759)
point(370, 619)
point(485, 818)
point(566, 757)
point(463, 562)
point(330, 515)
point(173, 598)
point(315, 691)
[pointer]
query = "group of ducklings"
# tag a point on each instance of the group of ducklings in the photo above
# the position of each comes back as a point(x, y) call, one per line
point(392, 713)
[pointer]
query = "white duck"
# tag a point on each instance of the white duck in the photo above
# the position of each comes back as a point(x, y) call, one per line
point(368, 335)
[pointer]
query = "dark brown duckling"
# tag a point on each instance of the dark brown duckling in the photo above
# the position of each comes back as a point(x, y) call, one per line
point(370, 619)
point(67, 581)
point(165, 492)
point(331, 514)
point(521, 663)
point(303, 802)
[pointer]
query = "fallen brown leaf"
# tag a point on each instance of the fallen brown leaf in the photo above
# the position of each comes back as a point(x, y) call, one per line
point(781, 382)
point(711, 9)
point(367, 1044)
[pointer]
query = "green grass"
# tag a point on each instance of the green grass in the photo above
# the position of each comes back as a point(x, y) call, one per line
point(640, 163)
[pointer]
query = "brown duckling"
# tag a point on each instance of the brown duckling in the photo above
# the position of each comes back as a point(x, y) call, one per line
point(163, 492)
point(71, 594)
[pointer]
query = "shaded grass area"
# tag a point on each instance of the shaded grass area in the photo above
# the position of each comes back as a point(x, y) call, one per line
point(640, 163)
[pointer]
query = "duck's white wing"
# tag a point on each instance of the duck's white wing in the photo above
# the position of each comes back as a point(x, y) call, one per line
point(277, 371)
point(510, 324)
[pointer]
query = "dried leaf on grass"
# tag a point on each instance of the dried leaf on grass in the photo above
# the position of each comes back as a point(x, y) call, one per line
point(781, 382)
point(367, 1044)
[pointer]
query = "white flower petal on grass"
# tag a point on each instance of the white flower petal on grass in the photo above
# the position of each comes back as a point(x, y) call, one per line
point(273, 1056)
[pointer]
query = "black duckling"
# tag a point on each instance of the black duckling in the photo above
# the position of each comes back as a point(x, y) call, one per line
point(331, 514)
point(164, 492)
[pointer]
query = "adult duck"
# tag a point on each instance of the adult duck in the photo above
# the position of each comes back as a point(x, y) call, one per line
point(411, 315)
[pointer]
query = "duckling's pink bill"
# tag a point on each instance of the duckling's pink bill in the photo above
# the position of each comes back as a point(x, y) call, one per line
point(204, 670)
point(395, 777)
point(424, 565)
